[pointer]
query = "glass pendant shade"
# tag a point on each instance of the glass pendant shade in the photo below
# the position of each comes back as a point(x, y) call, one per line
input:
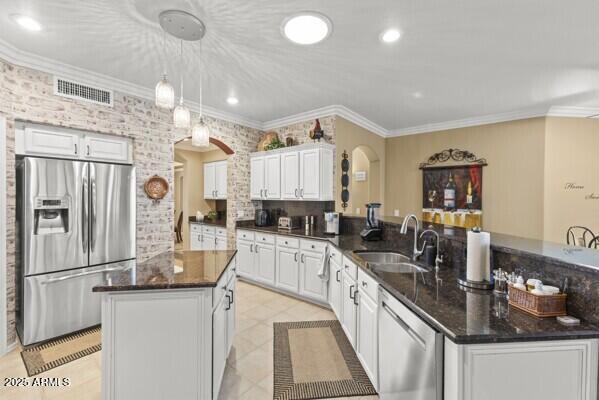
point(165, 94)
point(200, 134)
point(181, 116)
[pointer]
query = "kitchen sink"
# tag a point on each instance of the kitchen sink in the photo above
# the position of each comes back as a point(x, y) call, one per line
point(389, 262)
point(376, 257)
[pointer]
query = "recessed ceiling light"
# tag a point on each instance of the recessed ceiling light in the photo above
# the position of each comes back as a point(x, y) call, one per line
point(417, 95)
point(26, 22)
point(232, 100)
point(390, 36)
point(307, 28)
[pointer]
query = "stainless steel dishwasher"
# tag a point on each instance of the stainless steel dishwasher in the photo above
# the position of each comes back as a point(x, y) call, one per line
point(410, 354)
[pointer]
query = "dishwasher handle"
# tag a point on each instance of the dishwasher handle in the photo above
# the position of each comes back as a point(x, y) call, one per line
point(405, 326)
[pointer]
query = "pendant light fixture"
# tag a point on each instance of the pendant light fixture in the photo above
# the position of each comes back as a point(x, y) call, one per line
point(200, 134)
point(181, 115)
point(165, 93)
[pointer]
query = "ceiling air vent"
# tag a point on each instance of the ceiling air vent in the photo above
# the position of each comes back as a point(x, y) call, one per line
point(79, 91)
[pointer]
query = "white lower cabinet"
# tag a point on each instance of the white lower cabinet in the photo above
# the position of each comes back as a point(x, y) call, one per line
point(265, 263)
point(205, 237)
point(551, 370)
point(349, 307)
point(310, 284)
point(219, 344)
point(287, 268)
point(367, 339)
point(335, 287)
point(245, 258)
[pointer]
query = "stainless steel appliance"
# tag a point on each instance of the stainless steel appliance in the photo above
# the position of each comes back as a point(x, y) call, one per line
point(410, 354)
point(262, 218)
point(290, 222)
point(373, 230)
point(332, 220)
point(75, 224)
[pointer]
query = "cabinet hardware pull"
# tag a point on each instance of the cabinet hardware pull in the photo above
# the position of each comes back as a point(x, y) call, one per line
point(302, 192)
point(337, 275)
point(232, 296)
point(228, 303)
point(251, 248)
point(265, 192)
point(303, 258)
point(295, 257)
point(356, 296)
point(256, 249)
point(351, 289)
point(88, 149)
point(364, 283)
point(295, 188)
point(75, 148)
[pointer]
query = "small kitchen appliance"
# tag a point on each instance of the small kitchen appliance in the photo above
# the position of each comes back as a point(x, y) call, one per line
point(373, 230)
point(262, 218)
point(290, 223)
point(332, 221)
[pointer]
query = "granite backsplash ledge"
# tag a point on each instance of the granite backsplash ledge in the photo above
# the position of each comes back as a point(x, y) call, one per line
point(582, 281)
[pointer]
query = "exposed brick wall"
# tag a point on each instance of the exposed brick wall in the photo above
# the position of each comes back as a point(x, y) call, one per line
point(27, 95)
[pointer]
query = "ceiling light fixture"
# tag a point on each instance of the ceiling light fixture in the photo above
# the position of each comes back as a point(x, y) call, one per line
point(417, 95)
point(232, 100)
point(181, 115)
point(307, 28)
point(26, 22)
point(390, 36)
point(200, 134)
point(165, 92)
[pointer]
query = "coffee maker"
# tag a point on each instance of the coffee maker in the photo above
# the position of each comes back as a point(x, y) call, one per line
point(332, 220)
point(373, 230)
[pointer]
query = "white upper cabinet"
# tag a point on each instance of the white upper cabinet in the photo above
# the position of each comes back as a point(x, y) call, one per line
point(303, 172)
point(257, 178)
point(50, 141)
point(106, 148)
point(215, 180)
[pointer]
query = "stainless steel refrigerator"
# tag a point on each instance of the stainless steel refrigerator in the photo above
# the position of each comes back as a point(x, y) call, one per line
point(75, 225)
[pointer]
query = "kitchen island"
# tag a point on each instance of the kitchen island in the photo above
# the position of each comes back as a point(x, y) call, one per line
point(168, 326)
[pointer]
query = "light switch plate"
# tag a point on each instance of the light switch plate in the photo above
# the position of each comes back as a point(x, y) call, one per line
point(396, 213)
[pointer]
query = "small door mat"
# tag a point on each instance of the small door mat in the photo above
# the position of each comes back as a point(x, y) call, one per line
point(314, 360)
point(57, 352)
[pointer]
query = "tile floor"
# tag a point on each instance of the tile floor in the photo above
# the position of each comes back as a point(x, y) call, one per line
point(249, 371)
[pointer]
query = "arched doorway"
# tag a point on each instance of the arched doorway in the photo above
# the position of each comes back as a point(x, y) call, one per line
point(365, 182)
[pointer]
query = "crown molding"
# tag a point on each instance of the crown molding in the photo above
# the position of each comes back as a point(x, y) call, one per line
point(573, 111)
point(15, 56)
point(337, 110)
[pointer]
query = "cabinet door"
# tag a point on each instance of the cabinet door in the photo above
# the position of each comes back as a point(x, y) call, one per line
point(209, 242)
point(195, 240)
point(367, 335)
point(310, 174)
point(209, 181)
point(349, 308)
point(231, 314)
point(272, 177)
point(310, 284)
point(106, 148)
point(290, 176)
point(287, 276)
point(245, 258)
point(335, 288)
point(265, 260)
point(256, 177)
point(221, 243)
point(220, 185)
point(219, 344)
point(52, 143)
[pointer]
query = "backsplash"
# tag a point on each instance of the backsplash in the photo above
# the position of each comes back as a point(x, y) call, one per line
point(300, 208)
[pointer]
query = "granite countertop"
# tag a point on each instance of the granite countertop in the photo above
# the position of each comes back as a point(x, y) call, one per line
point(465, 317)
point(171, 270)
point(206, 221)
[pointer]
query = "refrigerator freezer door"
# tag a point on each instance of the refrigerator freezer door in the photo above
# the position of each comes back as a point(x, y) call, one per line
point(52, 204)
point(62, 302)
point(112, 213)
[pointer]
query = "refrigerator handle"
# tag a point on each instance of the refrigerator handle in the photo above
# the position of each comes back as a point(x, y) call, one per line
point(93, 203)
point(84, 209)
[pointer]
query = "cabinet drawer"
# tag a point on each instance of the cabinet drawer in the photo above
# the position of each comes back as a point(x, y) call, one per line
point(196, 228)
point(264, 238)
point(221, 231)
point(336, 254)
point(313, 245)
point(367, 285)
point(286, 241)
point(350, 268)
point(245, 235)
point(210, 230)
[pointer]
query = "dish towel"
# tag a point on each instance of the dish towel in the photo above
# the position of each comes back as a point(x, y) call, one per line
point(323, 272)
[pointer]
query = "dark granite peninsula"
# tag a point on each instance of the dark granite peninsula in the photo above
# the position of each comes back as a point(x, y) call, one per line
point(172, 270)
point(170, 319)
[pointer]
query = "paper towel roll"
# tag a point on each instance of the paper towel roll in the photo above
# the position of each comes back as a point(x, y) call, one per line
point(478, 256)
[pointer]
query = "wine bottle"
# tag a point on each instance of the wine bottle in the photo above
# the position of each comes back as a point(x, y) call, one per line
point(469, 196)
point(449, 194)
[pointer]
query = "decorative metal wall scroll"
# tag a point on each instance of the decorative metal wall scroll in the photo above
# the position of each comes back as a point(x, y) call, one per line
point(455, 155)
point(344, 179)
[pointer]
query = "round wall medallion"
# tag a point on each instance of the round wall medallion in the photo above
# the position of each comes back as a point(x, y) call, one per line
point(156, 187)
point(182, 25)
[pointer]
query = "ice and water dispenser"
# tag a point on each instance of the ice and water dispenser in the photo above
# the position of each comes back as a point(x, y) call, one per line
point(50, 215)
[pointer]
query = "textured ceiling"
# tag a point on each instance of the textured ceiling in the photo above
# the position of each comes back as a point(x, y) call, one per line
point(466, 58)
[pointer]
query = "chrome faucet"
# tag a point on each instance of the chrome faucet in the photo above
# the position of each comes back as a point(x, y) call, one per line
point(404, 230)
point(438, 259)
